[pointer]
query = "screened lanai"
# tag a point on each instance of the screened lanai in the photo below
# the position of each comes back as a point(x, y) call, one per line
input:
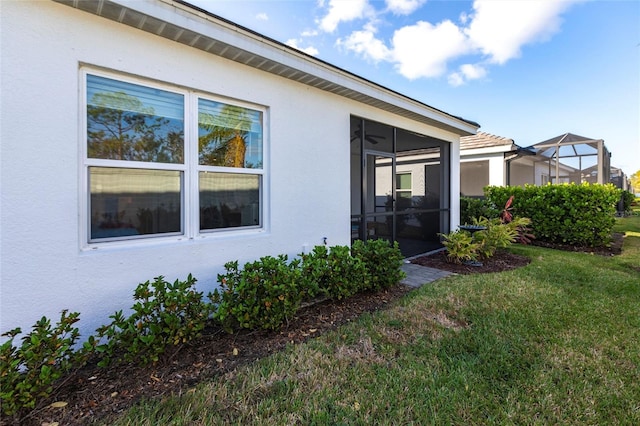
point(571, 158)
point(399, 186)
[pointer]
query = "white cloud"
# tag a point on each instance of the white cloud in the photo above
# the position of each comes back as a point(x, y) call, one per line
point(309, 33)
point(493, 32)
point(420, 50)
point(366, 44)
point(423, 49)
point(473, 72)
point(262, 17)
point(308, 50)
point(500, 28)
point(456, 79)
point(466, 73)
point(404, 7)
point(342, 11)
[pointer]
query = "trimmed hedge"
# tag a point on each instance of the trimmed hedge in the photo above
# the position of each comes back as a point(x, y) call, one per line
point(474, 208)
point(267, 292)
point(581, 215)
point(382, 260)
point(627, 201)
point(264, 294)
point(334, 273)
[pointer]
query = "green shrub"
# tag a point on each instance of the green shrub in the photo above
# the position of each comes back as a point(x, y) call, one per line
point(460, 247)
point(382, 261)
point(164, 315)
point(474, 208)
point(28, 371)
point(628, 199)
point(581, 215)
point(264, 294)
point(497, 235)
point(521, 226)
point(333, 273)
point(314, 274)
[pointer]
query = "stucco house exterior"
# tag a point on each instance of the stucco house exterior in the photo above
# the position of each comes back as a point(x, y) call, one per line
point(487, 159)
point(149, 137)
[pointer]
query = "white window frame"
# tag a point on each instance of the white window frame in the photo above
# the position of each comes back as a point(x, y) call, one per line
point(190, 169)
point(401, 190)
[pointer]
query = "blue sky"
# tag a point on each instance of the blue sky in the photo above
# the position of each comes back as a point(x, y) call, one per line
point(528, 70)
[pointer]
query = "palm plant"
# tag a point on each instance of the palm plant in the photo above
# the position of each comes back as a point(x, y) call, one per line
point(222, 140)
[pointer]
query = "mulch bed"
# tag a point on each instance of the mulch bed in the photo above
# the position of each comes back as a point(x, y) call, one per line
point(501, 261)
point(613, 249)
point(95, 394)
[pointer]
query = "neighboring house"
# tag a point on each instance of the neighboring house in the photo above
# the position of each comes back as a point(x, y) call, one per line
point(571, 158)
point(487, 159)
point(146, 138)
point(620, 179)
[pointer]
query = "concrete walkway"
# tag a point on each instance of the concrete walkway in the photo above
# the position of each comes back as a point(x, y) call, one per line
point(418, 275)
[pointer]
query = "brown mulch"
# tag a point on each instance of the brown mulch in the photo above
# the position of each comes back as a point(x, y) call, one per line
point(96, 394)
point(501, 261)
point(613, 249)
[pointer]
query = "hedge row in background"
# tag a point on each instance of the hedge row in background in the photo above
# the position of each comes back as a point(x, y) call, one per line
point(628, 200)
point(472, 209)
point(581, 215)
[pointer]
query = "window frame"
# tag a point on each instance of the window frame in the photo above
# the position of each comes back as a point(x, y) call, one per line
point(404, 190)
point(197, 167)
point(189, 169)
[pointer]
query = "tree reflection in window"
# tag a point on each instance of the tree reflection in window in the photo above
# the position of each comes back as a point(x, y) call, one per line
point(134, 123)
point(229, 135)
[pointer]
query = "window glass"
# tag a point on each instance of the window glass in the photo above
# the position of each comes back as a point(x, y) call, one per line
point(130, 202)
point(137, 167)
point(229, 200)
point(403, 181)
point(127, 121)
point(229, 135)
point(403, 191)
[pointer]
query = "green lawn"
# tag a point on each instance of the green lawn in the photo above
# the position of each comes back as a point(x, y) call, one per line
point(555, 342)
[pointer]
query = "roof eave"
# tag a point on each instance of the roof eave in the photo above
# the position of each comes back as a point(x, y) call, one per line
point(478, 150)
point(189, 25)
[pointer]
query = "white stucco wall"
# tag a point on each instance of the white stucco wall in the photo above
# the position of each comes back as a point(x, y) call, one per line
point(522, 172)
point(497, 175)
point(45, 266)
point(454, 220)
point(473, 180)
point(474, 176)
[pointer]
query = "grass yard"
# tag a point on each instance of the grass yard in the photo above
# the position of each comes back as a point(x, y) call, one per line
point(555, 342)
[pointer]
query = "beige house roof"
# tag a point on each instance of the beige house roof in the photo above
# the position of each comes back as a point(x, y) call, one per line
point(486, 140)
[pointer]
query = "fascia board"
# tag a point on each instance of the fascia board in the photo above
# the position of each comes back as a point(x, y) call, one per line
point(352, 86)
point(488, 150)
point(292, 58)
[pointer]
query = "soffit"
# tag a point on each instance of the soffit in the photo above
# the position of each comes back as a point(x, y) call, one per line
point(186, 24)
